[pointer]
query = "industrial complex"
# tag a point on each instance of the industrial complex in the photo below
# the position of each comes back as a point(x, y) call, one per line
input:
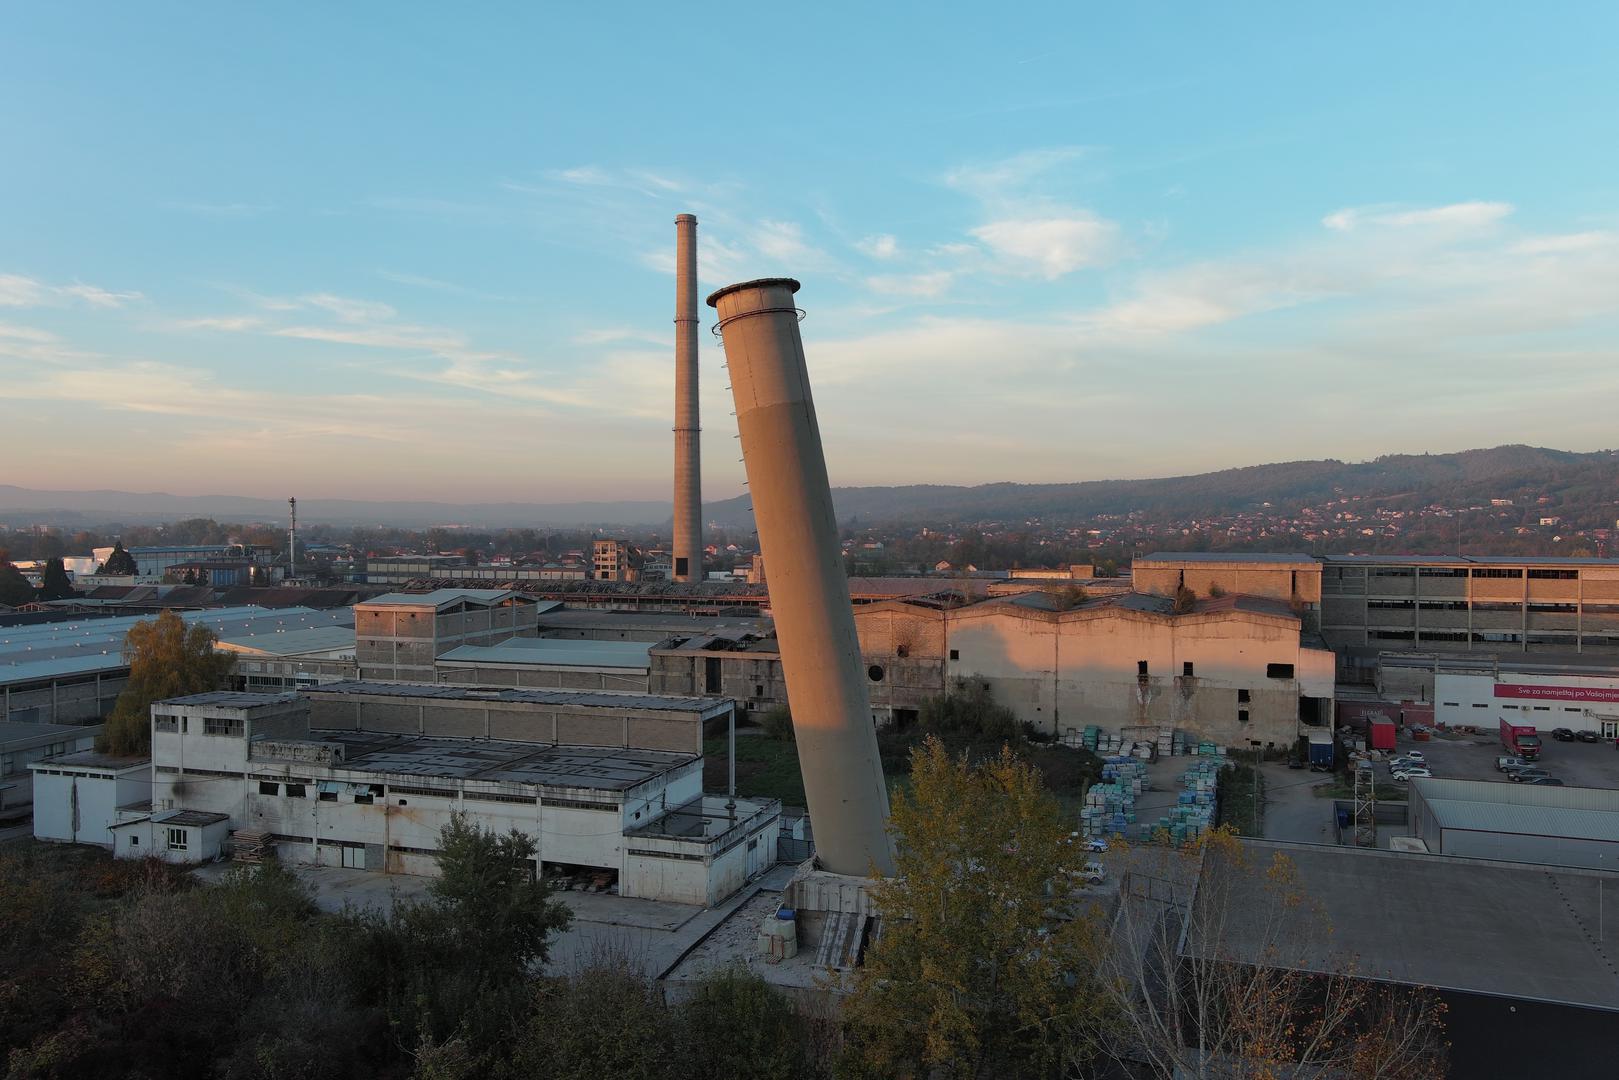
point(579, 704)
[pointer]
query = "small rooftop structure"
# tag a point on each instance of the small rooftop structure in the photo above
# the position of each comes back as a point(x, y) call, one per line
point(446, 599)
point(552, 652)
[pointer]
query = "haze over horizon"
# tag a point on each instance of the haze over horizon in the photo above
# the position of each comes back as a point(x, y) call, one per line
point(390, 253)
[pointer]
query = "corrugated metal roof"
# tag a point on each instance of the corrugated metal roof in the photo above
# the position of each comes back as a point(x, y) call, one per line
point(1506, 792)
point(293, 642)
point(439, 598)
point(85, 646)
point(1560, 821)
point(14, 732)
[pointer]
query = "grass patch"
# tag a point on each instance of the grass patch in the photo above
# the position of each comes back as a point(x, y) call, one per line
point(767, 768)
point(1342, 786)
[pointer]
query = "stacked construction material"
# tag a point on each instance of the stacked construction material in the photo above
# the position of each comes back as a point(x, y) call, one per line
point(1110, 806)
point(252, 846)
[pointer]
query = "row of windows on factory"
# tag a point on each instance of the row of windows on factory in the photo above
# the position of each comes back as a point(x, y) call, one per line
point(1486, 605)
point(211, 725)
point(1189, 670)
point(1537, 574)
point(367, 794)
point(1497, 637)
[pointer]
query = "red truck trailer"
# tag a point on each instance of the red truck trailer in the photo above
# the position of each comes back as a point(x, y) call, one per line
point(1380, 734)
point(1520, 739)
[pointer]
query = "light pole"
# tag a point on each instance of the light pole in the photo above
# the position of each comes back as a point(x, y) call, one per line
point(1255, 786)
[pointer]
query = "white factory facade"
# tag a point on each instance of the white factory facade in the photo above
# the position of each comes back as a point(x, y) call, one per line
point(1579, 702)
point(621, 795)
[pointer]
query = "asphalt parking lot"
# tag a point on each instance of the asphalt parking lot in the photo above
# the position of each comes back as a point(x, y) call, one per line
point(1472, 757)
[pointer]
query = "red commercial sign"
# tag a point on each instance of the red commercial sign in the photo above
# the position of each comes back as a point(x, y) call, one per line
point(1562, 693)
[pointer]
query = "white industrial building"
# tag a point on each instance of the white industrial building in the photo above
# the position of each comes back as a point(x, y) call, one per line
point(1562, 700)
point(1484, 819)
point(77, 797)
point(610, 782)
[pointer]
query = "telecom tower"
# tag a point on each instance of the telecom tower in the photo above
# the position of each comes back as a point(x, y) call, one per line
point(292, 538)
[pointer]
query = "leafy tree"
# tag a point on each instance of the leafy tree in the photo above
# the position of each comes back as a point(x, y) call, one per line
point(739, 1025)
point(983, 967)
point(778, 723)
point(120, 563)
point(14, 588)
point(166, 659)
point(1239, 977)
point(605, 1020)
point(503, 910)
point(55, 585)
point(968, 711)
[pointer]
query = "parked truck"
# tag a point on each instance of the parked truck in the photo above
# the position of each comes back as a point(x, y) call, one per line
point(1321, 750)
point(1520, 739)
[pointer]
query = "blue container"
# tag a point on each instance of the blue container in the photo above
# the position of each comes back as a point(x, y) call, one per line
point(786, 914)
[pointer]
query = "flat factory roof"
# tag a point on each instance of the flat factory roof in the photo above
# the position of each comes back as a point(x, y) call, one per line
point(95, 759)
point(598, 699)
point(603, 768)
point(1470, 560)
point(1173, 557)
point(554, 652)
point(231, 699)
point(1449, 923)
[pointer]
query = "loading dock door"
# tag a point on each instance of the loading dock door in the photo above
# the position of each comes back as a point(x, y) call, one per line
point(354, 858)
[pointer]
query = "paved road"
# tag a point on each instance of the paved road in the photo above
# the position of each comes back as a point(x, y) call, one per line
point(1292, 809)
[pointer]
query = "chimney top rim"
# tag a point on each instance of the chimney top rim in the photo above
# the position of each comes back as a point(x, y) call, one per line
point(790, 284)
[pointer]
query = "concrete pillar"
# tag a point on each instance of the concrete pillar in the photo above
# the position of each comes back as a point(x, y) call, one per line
point(809, 593)
point(687, 552)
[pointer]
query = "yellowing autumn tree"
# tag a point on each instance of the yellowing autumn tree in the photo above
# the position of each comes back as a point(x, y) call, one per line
point(985, 963)
point(166, 659)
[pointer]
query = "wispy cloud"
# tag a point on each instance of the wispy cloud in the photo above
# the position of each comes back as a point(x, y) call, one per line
point(19, 291)
point(1463, 215)
point(925, 285)
point(1010, 178)
point(1052, 246)
point(881, 246)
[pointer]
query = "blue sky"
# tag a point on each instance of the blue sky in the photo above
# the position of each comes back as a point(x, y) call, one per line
point(405, 250)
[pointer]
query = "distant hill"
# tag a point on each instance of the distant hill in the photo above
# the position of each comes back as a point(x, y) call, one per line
point(1520, 473)
point(1585, 482)
point(26, 506)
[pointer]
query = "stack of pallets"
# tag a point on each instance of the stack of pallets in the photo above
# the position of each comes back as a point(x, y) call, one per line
point(252, 846)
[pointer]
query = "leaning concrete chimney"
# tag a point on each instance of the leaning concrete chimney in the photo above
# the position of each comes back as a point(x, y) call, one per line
point(809, 593)
point(688, 532)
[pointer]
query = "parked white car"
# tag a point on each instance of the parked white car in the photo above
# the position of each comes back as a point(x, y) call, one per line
point(1407, 773)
